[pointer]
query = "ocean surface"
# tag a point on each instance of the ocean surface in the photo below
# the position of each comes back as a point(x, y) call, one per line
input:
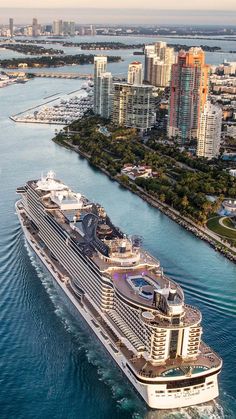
point(51, 365)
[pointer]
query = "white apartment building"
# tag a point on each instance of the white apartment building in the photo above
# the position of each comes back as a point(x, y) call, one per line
point(106, 88)
point(57, 27)
point(149, 53)
point(209, 133)
point(158, 61)
point(135, 73)
point(102, 88)
point(133, 106)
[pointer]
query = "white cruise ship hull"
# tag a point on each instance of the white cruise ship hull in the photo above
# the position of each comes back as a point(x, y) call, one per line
point(155, 395)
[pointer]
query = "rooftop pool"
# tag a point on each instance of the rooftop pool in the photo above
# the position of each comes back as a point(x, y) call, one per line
point(139, 282)
point(176, 372)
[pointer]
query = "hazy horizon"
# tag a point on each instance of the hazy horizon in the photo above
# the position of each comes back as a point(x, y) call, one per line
point(119, 15)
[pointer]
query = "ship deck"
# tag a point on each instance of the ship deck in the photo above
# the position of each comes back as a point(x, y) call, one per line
point(160, 281)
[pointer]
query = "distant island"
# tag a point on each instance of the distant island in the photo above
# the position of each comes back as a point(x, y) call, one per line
point(56, 61)
point(31, 49)
point(178, 47)
point(120, 45)
point(110, 45)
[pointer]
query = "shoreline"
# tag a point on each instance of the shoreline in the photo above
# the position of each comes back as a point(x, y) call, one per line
point(201, 232)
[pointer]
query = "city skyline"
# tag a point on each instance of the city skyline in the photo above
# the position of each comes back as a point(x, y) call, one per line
point(122, 15)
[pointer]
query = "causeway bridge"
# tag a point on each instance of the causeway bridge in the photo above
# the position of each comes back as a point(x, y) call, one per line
point(59, 75)
point(81, 76)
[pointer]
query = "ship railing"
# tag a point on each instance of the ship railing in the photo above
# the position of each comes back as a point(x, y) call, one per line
point(149, 374)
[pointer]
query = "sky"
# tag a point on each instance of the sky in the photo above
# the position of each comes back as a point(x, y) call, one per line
point(150, 4)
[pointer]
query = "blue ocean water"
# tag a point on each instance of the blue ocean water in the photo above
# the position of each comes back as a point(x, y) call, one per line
point(51, 365)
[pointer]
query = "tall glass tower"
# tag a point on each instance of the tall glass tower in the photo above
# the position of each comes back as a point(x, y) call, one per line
point(188, 94)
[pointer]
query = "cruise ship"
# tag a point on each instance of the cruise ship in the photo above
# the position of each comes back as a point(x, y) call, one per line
point(135, 310)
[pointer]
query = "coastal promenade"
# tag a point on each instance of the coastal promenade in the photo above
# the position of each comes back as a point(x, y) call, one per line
point(200, 231)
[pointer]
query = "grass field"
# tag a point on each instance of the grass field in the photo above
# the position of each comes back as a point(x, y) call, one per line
point(224, 232)
point(228, 223)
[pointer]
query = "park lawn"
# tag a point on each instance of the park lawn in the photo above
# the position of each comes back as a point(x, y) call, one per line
point(228, 223)
point(213, 225)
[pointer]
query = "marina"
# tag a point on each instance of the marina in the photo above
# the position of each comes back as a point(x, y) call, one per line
point(61, 110)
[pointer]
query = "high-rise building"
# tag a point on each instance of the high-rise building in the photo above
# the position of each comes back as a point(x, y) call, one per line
point(92, 30)
point(72, 28)
point(11, 27)
point(135, 73)
point(133, 106)
point(27, 31)
point(158, 61)
point(102, 87)
point(100, 67)
point(188, 94)
point(48, 29)
point(106, 94)
point(57, 27)
point(209, 133)
point(149, 53)
point(160, 73)
point(81, 31)
point(35, 27)
point(68, 28)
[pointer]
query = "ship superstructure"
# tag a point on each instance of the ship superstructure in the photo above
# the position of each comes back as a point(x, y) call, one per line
point(137, 312)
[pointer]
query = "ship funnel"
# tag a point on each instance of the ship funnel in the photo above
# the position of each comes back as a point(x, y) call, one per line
point(156, 298)
point(123, 247)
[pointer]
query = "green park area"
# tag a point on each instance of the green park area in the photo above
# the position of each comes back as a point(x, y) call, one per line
point(224, 227)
